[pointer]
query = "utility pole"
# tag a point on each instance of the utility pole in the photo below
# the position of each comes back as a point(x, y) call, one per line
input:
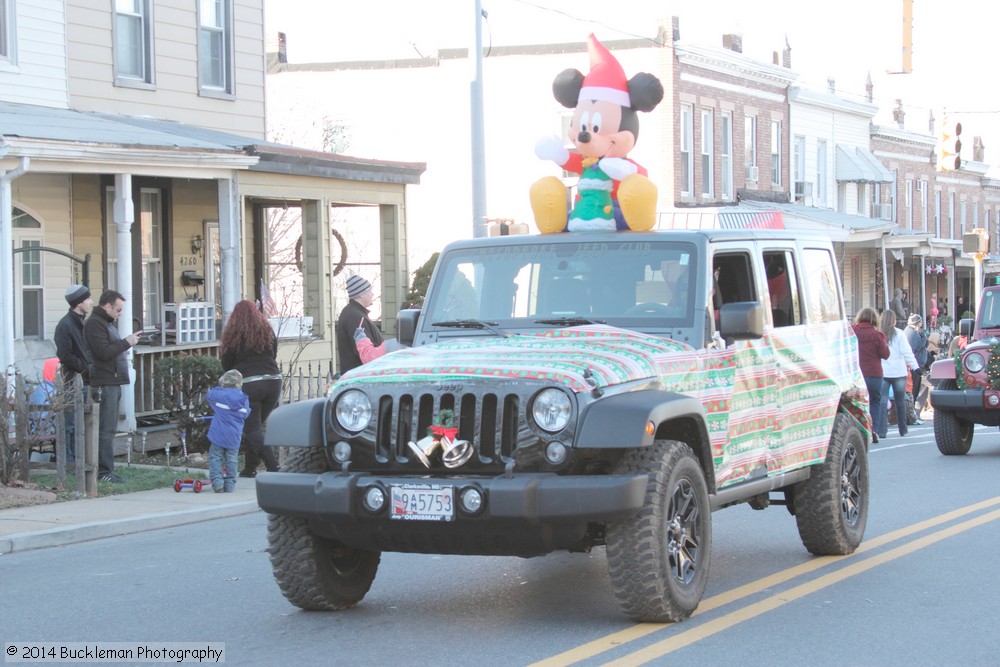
point(479, 224)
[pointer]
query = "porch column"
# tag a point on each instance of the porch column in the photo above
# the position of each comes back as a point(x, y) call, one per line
point(124, 213)
point(7, 266)
point(229, 244)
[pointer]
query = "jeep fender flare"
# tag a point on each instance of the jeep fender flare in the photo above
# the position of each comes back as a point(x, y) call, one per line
point(619, 421)
point(297, 425)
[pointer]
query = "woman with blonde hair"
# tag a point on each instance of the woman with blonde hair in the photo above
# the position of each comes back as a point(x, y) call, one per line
point(249, 345)
point(895, 370)
point(872, 349)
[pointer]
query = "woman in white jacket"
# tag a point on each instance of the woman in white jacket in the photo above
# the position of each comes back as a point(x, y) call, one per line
point(895, 370)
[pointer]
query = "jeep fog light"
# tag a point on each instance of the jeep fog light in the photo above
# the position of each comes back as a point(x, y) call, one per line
point(342, 452)
point(353, 410)
point(374, 499)
point(975, 362)
point(470, 499)
point(551, 410)
point(555, 452)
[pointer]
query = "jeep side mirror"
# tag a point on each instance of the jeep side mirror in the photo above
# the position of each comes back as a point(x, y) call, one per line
point(741, 320)
point(406, 326)
point(965, 327)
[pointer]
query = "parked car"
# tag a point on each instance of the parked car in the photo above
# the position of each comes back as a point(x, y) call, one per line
point(566, 392)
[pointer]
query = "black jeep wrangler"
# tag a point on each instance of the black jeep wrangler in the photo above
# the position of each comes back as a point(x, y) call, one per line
point(566, 392)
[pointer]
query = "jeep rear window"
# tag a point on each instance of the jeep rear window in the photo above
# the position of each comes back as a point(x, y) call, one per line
point(614, 282)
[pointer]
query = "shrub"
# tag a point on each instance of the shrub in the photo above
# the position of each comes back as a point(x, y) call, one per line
point(180, 383)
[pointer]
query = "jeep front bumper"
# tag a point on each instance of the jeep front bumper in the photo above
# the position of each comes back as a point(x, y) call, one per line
point(973, 405)
point(524, 514)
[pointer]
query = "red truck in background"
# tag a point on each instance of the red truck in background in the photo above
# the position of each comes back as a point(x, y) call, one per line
point(967, 387)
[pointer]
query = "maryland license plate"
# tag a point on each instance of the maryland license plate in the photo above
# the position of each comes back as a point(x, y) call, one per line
point(422, 502)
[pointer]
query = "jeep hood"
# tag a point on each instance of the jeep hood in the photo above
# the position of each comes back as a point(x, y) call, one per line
point(613, 356)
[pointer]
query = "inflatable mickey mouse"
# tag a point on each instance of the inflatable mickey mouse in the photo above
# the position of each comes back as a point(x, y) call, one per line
point(613, 191)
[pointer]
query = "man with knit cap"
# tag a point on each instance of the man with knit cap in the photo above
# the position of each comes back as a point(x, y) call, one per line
point(71, 352)
point(354, 316)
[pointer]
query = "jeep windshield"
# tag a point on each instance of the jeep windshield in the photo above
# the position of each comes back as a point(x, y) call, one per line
point(647, 284)
point(989, 310)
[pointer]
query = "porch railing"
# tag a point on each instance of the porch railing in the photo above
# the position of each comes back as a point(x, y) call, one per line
point(305, 382)
point(147, 403)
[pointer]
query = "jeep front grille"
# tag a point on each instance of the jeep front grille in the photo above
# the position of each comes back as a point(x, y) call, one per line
point(491, 422)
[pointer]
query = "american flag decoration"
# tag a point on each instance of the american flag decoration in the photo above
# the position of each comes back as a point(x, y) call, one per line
point(267, 305)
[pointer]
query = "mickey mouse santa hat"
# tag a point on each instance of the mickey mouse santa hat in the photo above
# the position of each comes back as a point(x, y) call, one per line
point(606, 80)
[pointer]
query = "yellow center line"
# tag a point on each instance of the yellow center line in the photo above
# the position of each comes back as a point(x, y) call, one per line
point(661, 648)
point(638, 631)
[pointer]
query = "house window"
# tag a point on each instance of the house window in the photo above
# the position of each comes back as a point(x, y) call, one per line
point(726, 154)
point(776, 152)
point(820, 192)
point(707, 175)
point(687, 157)
point(937, 214)
point(151, 233)
point(750, 147)
point(922, 186)
point(909, 202)
point(215, 46)
point(7, 30)
point(133, 35)
point(951, 216)
point(29, 289)
point(800, 162)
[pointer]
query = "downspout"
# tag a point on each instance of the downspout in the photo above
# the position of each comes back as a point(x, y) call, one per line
point(7, 265)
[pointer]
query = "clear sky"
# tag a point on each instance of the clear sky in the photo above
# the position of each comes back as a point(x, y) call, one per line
point(953, 53)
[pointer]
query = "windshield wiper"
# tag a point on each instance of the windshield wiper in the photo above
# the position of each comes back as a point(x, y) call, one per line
point(570, 321)
point(473, 324)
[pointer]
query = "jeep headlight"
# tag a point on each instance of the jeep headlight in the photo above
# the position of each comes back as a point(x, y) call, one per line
point(353, 410)
point(974, 363)
point(551, 410)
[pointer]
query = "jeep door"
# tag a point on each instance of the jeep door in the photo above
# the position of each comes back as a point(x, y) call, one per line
point(741, 448)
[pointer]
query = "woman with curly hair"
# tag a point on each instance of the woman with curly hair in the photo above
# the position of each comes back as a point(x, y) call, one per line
point(249, 345)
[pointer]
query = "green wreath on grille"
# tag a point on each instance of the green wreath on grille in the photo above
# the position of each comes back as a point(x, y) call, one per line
point(992, 369)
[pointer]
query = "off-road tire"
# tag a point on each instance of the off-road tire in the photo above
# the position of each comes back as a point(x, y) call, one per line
point(316, 573)
point(831, 506)
point(658, 560)
point(952, 435)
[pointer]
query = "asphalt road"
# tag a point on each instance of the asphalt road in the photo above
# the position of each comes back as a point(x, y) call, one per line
point(922, 590)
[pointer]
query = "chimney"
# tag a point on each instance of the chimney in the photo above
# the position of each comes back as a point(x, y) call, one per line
point(282, 48)
point(774, 58)
point(930, 121)
point(675, 24)
point(786, 55)
point(733, 42)
point(978, 149)
point(869, 89)
point(831, 86)
point(898, 114)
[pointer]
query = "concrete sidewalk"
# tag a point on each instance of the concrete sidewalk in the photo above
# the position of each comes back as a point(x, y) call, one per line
point(59, 523)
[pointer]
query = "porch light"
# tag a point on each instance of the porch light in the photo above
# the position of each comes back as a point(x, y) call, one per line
point(197, 243)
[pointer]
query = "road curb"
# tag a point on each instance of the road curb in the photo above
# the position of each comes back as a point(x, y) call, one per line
point(85, 532)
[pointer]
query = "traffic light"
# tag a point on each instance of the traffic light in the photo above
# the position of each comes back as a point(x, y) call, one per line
point(949, 146)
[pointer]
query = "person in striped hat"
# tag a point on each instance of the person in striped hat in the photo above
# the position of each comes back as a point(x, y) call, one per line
point(613, 191)
point(354, 317)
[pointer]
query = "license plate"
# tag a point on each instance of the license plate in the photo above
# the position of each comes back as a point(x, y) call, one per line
point(422, 502)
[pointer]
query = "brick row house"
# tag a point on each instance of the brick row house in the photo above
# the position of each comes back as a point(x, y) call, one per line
point(732, 131)
point(133, 156)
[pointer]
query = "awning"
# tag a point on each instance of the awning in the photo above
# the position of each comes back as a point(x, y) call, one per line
point(840, 227)
point(856, 164)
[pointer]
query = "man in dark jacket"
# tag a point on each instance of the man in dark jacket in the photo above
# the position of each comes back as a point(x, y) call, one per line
point(108, 372)
point(354, 316)
point(71, 351)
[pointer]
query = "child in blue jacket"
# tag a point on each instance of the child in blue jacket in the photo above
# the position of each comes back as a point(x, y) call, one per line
point(231, 408)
